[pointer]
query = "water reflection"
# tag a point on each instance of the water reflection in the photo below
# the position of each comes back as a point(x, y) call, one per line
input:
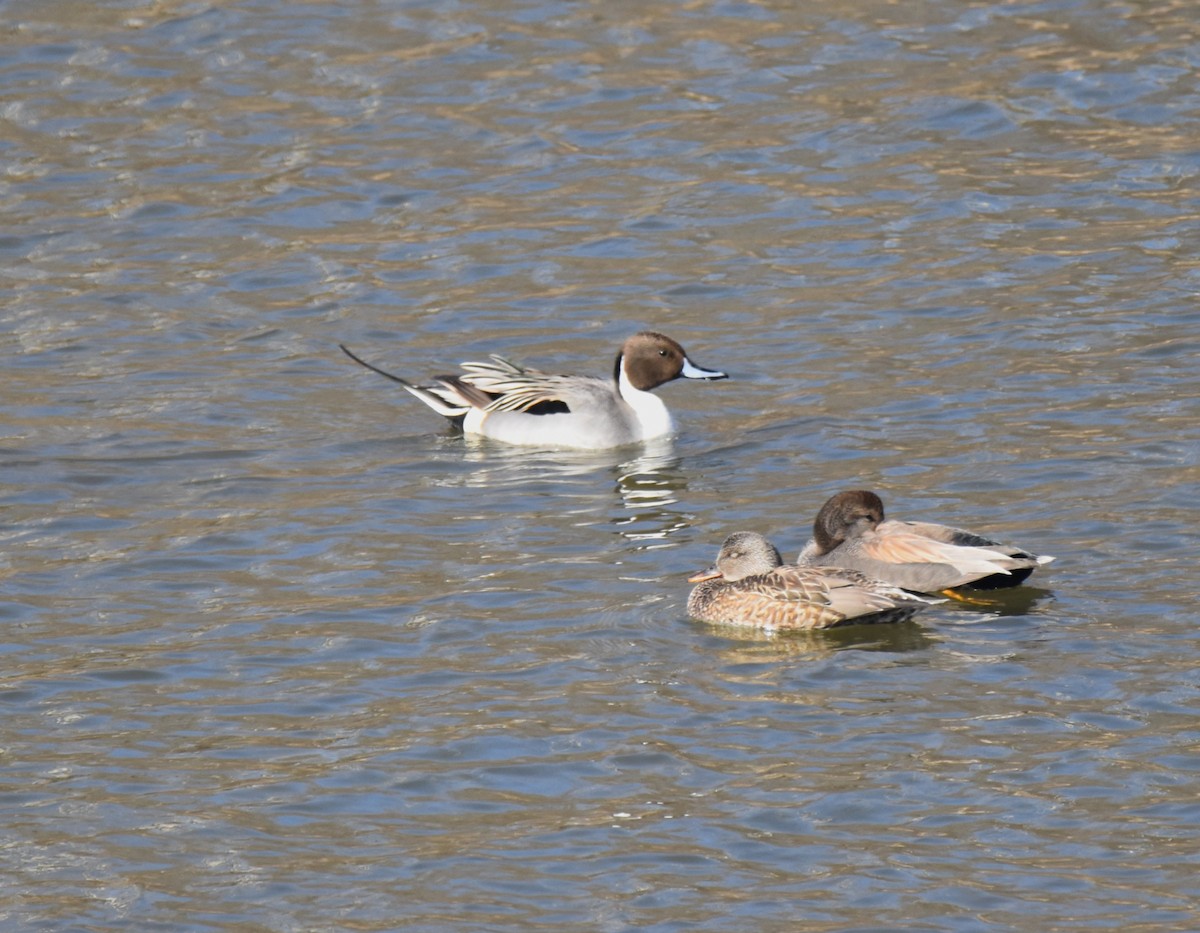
point(649, 485)
point(737, 645)
point(977, 605)
point(498, 465)
point(947, 248)
point(649, 480)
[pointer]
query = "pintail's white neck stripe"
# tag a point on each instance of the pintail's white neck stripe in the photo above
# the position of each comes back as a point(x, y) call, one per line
point(651, 412)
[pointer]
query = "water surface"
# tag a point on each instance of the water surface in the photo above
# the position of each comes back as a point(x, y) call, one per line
point(284, 653)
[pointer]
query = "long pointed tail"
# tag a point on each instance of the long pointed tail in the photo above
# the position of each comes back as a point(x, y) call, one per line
point(374, 369)
point(444, 404)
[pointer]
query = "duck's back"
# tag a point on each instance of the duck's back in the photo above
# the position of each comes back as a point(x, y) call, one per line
point(801, 598)
point(875, 555)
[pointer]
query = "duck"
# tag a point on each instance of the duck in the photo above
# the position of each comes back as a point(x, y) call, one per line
point(517, 404)
point(850, 532)
point(749, 585)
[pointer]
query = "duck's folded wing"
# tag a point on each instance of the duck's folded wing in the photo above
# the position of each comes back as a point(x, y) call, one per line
point(497, 370)
point(831, 595)
point(950, 535)
point(509, 386)
point(455, 390)
point(788, 598)
point(898, 543)
point(961, 536)
point(852, 594)
point(789, 584)
point(518, 388)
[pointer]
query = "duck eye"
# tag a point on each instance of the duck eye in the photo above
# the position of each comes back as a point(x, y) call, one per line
point(662, 352)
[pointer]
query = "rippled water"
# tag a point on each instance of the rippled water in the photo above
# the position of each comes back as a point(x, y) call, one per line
point(283, 653)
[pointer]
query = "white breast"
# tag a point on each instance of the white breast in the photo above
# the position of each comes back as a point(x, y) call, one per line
point(650, 410)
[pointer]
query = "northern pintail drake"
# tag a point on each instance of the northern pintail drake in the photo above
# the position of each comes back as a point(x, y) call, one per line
point(749, 586)
point(519, 405)
point(850, 531)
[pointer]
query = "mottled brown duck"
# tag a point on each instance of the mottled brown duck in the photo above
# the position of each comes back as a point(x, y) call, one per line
point(749, 586)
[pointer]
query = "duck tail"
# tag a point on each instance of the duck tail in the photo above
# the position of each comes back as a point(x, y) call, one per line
point(442, 399)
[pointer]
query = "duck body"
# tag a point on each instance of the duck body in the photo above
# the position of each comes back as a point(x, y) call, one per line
point(850, 532)
point(520, 405)
point(748, 585)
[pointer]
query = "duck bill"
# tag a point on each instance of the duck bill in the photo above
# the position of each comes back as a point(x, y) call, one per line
point(701, 575)
point(691, 371)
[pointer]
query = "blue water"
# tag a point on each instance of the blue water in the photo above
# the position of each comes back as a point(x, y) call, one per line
point(285, 653)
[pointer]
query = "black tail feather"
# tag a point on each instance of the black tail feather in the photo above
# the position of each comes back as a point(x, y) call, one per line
point(374, 369)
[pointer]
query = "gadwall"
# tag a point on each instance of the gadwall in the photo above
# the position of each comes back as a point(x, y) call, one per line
point(749, 586)
point(850, 532)
point(519, 405)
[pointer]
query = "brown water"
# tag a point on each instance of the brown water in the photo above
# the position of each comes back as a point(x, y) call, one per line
point(284, 654)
